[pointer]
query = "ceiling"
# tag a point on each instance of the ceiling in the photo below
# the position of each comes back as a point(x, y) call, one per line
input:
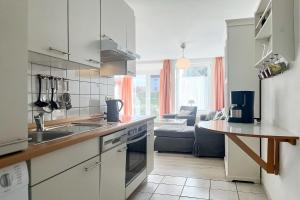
point(162, 25)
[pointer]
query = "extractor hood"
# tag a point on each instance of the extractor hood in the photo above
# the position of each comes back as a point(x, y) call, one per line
point(111, 51)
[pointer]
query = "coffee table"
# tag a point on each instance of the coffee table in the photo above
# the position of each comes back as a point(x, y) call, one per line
point(174, 122)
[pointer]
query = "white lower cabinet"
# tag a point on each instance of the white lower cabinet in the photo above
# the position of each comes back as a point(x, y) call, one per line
point(112, 178)
point(78, 183)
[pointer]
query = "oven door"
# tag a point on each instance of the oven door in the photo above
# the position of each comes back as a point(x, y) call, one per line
point(136, 156)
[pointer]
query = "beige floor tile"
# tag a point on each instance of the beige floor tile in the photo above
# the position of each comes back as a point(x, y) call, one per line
point(173, 180)
point(223, 185)
point(249, 187)
point(252, 196)
point(195, 192)
point(169, 189)
point(164, 197)
point(148, 187)
point(155, 178)
point(140, 196)
point(223, 195)
point(188, 166)
point(204, 183)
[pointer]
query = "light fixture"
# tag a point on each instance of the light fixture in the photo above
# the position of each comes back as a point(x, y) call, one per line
point(183, 63)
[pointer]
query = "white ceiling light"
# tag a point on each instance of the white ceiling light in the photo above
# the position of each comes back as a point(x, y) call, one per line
point(183, 63)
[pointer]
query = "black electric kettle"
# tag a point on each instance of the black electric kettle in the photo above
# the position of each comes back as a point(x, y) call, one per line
point(113, 109)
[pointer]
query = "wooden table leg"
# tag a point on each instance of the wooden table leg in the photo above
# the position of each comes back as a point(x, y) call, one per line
point(271, 157)
point(276, 152)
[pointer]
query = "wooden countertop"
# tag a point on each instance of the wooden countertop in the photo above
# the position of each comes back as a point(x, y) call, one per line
point(248, 130)
point(35, 150)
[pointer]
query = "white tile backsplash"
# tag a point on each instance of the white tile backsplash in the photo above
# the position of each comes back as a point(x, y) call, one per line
point(73, 74)
point(74, 87)
point(62, 73)
point(75, 100)
point(95, 88)
point(84, 100)
point(95, 100)
point(103, 89)
point(85, 88)
point(88, 91)
point(40, 69)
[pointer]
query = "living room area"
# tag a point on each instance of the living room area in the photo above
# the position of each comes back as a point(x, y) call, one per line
point(218, 86)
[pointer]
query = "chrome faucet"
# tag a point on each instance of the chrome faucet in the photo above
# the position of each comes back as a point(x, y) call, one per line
point(40, 122)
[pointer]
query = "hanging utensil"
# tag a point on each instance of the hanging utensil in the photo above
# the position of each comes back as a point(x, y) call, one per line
point(58, 103)
point(67, 97)
point(62, 102)
point(39, 102)
point(48, 108)
point(53, 103)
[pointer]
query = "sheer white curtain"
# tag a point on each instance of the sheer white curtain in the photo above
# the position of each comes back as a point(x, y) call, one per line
point(193, 85)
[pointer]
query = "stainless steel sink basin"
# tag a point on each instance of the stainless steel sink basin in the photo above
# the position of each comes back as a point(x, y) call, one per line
point(45, 136)
point(61, 131)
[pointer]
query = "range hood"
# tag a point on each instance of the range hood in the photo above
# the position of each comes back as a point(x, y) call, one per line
point(111, 51)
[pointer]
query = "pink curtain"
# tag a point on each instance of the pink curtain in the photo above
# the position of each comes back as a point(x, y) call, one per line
point(218, 84)
point(125, 89)
point(165, 88)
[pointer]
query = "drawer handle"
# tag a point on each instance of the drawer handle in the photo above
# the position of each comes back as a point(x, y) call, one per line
point(123, 149)
point(92, 166)
point(93, 61)
point(59, 51)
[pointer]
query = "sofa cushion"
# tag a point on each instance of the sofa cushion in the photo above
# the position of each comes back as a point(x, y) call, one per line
point(175, 131)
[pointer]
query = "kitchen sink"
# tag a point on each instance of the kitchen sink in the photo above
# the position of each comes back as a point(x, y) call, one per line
point(45, 136)
point(58, 132)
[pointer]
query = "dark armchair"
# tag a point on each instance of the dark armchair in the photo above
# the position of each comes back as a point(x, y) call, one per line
point(186, 112)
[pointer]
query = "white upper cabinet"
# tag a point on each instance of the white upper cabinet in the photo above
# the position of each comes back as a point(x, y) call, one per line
point(113, 20)
point(130, 29)
point(84, 32)
point(48, 27)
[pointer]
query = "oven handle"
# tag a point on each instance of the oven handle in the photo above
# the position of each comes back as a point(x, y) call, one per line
point(136, 140)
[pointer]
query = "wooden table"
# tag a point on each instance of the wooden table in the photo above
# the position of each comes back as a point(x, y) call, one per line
point(273, 134)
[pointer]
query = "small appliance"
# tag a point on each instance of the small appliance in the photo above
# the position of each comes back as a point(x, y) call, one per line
point(14, 182)
point(242, 107)
point(114, 106)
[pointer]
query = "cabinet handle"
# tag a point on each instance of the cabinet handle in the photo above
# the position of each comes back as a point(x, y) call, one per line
point(59, 51)
point(92, 166)
point(123, 149)
point(93, 61)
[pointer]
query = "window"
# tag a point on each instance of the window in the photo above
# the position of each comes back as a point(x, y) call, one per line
point(146, 94)
point(193, 86)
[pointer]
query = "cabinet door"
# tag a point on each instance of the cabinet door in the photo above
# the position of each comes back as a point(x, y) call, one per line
point(48, 27)
point(84, 32)
point(113, 21)
point(150, 151)
point(78, 183)
point(130, 30)
point(112, 186)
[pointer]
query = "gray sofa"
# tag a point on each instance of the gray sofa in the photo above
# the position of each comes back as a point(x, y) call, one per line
point(188, 139)
point(186, 112)
point(174, 139)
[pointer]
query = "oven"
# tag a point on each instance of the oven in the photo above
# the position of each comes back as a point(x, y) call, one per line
point(136, 158)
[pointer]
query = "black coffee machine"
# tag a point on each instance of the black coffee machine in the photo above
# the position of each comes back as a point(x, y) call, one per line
point(113, 109)
point(242, 107)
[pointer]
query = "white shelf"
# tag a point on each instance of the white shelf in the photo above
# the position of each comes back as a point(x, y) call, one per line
point(266, 57)
point(263, 15)
point(266, 29)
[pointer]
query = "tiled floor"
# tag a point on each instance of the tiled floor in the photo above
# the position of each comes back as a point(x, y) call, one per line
point(183, 177)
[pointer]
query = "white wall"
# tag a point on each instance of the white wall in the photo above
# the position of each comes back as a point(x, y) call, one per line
point(281, 99)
